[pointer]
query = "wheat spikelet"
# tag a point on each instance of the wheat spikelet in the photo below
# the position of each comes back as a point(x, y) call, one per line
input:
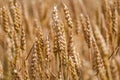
point(17, 50)
point(39, 34)
point(40, 58)
point(47, 49)
point(88, 32)
point(72, 69)
point(59, 48)
point(33, 65)
point(5, 19)
point(115, 19)
point(23, 48)
point(68, 16)
point(62, 52)
point(47, 58)
point(40, 48)
point(16, 15)
point(40, 53)
point(72, 51)
point(86, 29)
point(56, 24)
point(62, 48)
point(55, 16)
point(23, 40)
point(71, 48)
point(60, 44)
point(99, 62)
point(25, 71)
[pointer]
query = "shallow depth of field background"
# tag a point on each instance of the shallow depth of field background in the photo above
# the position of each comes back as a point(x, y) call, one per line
point(94, 23)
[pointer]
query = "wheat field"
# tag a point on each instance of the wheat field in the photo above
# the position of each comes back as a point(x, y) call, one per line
point(59, 40)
